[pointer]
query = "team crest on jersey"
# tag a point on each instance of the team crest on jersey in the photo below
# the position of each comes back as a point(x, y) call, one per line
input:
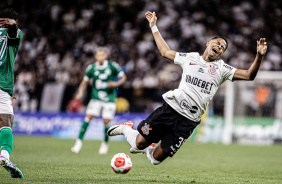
point(146, 129)
point(212, 70)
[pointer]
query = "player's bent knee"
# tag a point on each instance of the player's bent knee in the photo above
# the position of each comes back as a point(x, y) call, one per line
point(141, 143)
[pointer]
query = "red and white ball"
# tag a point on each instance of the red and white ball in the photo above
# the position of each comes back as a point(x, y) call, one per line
point(121, 163)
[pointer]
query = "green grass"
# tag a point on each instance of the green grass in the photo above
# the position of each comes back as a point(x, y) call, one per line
point(49, 160)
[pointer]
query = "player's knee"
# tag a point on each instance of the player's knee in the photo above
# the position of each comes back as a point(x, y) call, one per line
point(88, 118)
point(106, 121)
point(140, 145)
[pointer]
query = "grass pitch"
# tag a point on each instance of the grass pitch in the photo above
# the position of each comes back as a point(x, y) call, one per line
point(49, 160)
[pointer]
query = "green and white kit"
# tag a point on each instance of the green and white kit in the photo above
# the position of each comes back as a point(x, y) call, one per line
point(102, 96)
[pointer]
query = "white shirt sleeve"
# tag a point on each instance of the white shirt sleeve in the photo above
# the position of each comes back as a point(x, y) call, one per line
point(228, 72)
point(181, 58)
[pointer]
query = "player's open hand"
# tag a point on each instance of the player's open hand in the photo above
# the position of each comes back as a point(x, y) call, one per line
point(6, 22)
point(152, 18)
point(261, 46)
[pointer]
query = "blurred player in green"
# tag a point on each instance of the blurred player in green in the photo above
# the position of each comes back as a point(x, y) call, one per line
point(10, 39)
point(103, 73)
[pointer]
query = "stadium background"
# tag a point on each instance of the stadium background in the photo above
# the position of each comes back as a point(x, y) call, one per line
point(61, 37)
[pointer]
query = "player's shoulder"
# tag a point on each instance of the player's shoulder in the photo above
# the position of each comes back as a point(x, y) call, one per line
point(20, 31)
point(224, 65)
point(90, 66)
point(113, 64)
point(195, 55)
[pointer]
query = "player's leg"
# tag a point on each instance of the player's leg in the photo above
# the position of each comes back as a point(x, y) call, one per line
point(93, 110)
point(104, 148)
point(133, 137)
point(108, 113)
point(6, 136)
point(78, 143)
point(148, 131)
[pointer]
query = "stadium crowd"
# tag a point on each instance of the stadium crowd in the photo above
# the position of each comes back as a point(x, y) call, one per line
point(60, 38)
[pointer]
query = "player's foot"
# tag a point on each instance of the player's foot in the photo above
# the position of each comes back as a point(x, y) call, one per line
point(104, 148)
point(10, 167)
point(77, 146)
point(118, 129)
point(136, 150)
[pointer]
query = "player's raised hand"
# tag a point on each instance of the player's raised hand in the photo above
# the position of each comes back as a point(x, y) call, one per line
point(261, 46)
point(6, 22)
point(152, 18)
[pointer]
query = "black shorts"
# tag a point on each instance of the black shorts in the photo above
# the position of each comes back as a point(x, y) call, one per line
point(168, 126)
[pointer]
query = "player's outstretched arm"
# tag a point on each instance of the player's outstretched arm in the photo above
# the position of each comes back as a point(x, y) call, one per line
point(161, 44)
point(10, 25)
point(81, 89)
point(251, 73)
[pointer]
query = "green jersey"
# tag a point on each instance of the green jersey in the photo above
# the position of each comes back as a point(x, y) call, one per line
point(101, 75)
point(8, 51)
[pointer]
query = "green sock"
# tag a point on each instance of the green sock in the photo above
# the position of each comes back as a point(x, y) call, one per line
point(83, 129)
point(6, 140)
point(106, 137)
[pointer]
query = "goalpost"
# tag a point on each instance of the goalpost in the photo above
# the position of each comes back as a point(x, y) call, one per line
point(253, 110)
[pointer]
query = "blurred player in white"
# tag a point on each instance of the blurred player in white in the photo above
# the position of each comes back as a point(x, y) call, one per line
point(103, 95)
point(175, 120)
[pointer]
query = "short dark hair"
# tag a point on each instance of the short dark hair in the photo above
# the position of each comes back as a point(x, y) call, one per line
point(9, 13)
point(223, 39)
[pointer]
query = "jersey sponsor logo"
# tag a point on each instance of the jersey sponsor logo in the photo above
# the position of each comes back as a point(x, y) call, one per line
point(212, 70)
point(201, 70)
point(184, 105)
point(192, 63)
point(228, 66)
point(206, 86)
point(146, 129)
point(182, 54)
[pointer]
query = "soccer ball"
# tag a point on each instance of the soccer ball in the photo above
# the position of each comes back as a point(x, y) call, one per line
point(121, 163)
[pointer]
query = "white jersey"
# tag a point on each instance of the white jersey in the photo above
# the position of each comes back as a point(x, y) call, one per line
point(199, 83)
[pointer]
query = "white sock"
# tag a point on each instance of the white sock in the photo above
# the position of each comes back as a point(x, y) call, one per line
point(5, 154)
point(131, 136)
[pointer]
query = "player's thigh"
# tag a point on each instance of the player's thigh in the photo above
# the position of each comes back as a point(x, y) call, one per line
point(6, 120)
point(159, 153)
point(172, 141)
point(108, 110)
point(94, 108)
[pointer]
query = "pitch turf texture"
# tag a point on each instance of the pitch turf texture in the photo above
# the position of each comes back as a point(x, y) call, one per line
point(49, 160)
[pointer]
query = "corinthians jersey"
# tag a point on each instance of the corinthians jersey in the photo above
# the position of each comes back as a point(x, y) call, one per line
point(199, 83)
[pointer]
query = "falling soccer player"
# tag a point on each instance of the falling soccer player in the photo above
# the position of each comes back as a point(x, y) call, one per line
point(173, 122)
